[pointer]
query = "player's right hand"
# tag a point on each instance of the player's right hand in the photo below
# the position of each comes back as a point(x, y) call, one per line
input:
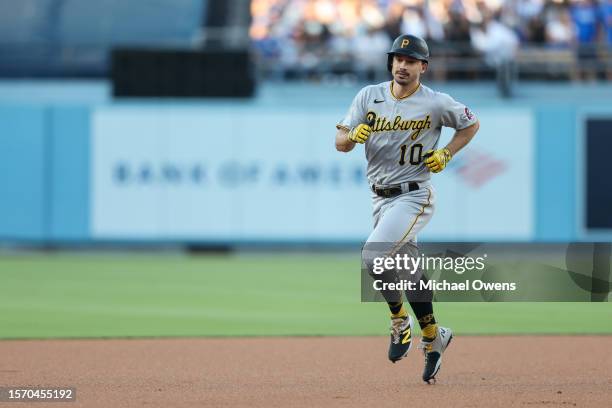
point(360, 133)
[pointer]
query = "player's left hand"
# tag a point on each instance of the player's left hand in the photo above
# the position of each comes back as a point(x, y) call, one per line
point(437, 160)
point(360, 133)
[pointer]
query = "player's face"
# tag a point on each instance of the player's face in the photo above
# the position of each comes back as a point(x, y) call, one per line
point(407, 70)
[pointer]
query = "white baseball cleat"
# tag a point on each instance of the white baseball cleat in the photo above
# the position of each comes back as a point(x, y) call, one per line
point(433, 351)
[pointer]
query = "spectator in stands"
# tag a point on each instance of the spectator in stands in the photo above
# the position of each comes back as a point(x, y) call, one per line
point(417, 19)
point(369, 44)
point(413, 21)
point(535, 30)
point(496, 42)
point(560, 42)
point(606, 19)
point(526, 10)
point(457, 29)
point(393, 26)
point(585, 16)
point(310, 36)
point(559, 29)
point(524, 17)
point(458, 39)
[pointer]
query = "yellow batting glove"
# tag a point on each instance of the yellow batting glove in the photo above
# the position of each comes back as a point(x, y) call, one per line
point(360, 133)
point(437, 160)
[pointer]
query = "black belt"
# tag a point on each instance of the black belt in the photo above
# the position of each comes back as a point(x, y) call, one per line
point(393, 191)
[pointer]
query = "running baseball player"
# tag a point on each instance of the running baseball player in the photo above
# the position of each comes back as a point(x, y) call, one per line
point(399, 122)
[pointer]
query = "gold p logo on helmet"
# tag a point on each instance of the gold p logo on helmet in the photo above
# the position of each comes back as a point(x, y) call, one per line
point(405, 43)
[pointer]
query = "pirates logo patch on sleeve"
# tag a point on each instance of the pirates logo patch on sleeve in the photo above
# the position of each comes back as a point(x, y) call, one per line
point(468, 114)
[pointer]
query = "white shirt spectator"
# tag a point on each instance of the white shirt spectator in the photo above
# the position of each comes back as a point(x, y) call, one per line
point(369, 46)
point(497, 42)
point(413, 23)
point(560, 30)
point(527, 9)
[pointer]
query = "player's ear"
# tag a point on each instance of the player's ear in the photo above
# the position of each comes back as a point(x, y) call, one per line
point(423, 67)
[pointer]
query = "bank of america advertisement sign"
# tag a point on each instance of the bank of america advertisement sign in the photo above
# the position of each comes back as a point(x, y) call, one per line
point(191, 173)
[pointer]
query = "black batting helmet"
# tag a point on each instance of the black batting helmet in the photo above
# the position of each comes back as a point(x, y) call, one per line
point(409, 45)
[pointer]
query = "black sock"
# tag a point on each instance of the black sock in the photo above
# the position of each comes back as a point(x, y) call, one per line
point(395, 307)
point(421, 304)
point(424, 313)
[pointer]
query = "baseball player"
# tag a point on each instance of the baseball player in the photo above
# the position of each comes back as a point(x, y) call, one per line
point(399, 122)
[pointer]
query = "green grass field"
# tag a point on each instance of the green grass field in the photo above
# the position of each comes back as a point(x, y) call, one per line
point(122, 295)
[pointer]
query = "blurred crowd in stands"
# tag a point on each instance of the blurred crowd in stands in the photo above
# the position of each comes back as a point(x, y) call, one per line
point(307, 37)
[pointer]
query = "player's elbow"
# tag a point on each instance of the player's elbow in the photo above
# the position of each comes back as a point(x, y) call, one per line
point(342, 147)
point(475, 127)
point(470, 131)
point(342, 143)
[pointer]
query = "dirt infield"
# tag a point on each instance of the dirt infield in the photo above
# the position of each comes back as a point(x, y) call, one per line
point(313, 372)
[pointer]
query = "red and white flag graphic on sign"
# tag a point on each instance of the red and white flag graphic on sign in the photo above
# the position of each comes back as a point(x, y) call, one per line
point(476, 168)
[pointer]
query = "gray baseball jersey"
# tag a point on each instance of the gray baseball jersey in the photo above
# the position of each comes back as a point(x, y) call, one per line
point(404, 129)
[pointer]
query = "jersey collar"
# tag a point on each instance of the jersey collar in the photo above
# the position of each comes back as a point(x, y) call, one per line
point(407, 96)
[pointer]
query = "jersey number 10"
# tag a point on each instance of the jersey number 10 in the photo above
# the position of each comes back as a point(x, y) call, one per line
point(416, 151)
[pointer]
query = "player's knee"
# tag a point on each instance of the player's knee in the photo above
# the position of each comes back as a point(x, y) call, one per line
point(374, 258)
point(368, 258)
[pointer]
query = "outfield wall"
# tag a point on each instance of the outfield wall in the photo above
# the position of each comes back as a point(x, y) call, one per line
point(81, 170)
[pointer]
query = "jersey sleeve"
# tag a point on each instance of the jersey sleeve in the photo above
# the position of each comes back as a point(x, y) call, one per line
point(455, 114)
point(356, 113)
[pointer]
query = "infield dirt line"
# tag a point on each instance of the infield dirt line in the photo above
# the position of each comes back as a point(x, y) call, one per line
point(497, 371)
